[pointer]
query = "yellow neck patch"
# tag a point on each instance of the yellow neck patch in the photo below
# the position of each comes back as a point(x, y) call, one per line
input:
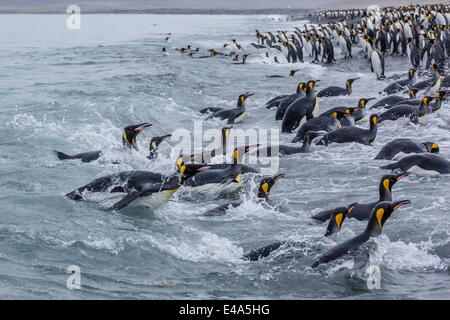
point(154, 145)
point(238, 177)
point(265, 188)
point(339, 217)
point(387, 185)
point(379, 214)
point(179, 162)
point(434, 146)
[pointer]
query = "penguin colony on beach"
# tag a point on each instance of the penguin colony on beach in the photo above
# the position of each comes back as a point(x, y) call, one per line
point(420, 33)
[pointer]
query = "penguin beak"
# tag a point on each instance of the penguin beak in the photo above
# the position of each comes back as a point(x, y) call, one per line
point(402, 175)
point(399, 204)
point(248, 94)
point(278, 177)
point(252, 147)
point(354, 79)
point(370, 99)
point(142, 126)
point(352, 206)
point(162, 138)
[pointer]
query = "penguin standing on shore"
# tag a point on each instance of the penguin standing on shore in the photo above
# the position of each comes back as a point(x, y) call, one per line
point(376, 61)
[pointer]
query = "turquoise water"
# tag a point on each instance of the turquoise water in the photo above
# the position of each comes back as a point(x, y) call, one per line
point(74, 90)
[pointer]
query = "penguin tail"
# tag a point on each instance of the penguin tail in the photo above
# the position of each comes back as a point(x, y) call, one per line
point(62, 155)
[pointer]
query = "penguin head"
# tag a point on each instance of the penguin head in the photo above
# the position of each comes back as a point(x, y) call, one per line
point(154, 143)
point(340, 114)
point(244, 97)
point(292, 72)
point(337, 219)
point(363, 102)
point(130, 133)
point(373, 120)
point(189, 170)
point(413, 93)
point(388, 181)
point(180, 160)
point(311, 84)
point(239, 152)
point(426, 100)
point(301, 87)
point(431, 147)
point(411, 73)
point(266, 185)
point(381, 213)
point(441, 94)
point(349, 82)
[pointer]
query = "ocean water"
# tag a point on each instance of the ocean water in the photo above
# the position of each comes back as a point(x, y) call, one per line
point(74, 91)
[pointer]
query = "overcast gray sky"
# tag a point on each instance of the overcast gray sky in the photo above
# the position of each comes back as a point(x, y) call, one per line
point(194, 4)
point(203, 4)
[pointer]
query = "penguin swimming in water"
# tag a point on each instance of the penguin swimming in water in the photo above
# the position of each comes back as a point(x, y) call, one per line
point(290, 74)
point(244, 59)
point(130, 133)
point(380, 214)
point(233, 115)
point(137, 184)
point(264, 188)
point(129, 136)
point(398, 148)
point(283, 150)
point(154, 144)
point(392, 100)
point(412, 112)
point(334, 226)
point(300, 108)
point(222, 180)
point(352, 134)
point(358, 113)
point(325, 122)
point(422, 163)
point(400, 85)
point(362, 211)
point(334, 91)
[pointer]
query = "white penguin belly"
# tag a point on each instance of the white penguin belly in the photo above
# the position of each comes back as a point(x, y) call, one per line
point(418, 170)
point(240, 117)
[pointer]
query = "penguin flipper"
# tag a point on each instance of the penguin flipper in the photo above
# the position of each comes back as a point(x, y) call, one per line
point(324, 215)
point(255, 255)
point(125, 200)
